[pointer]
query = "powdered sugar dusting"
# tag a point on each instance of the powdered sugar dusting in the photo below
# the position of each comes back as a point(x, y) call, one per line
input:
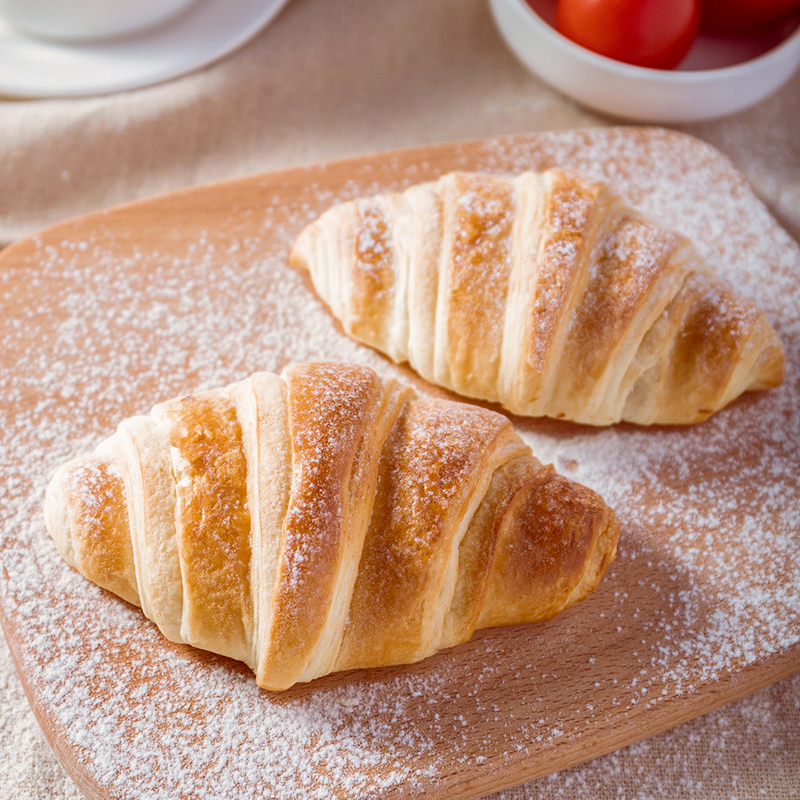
point(706, 585)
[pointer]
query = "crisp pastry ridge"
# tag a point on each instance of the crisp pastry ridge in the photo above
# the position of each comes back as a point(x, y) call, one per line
point(544, 292)
point(327, 519)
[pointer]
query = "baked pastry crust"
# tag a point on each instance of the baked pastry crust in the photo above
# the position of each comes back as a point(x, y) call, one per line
point(327, 519)
point(545, 293)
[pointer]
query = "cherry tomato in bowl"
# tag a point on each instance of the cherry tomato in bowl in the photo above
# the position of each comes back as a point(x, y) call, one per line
point(744, 17)
point(647, 33)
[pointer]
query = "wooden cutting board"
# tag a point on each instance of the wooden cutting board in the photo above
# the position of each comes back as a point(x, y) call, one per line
point(102, 316)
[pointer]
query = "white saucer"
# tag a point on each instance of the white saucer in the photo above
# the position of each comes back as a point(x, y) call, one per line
point(205, 32)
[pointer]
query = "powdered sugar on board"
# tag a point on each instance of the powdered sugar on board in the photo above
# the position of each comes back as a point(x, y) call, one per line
point(103, 318)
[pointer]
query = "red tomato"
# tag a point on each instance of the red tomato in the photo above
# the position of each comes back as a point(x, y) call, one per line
point(648, 33)
point(744, 16)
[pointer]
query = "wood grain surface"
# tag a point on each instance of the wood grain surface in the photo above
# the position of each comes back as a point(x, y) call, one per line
point(103, 316)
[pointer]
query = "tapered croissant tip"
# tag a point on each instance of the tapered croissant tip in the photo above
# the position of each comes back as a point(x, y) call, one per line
point(299, 253)
point(295, 259)
point(56, 519)
point(770, 370)
point(602, 557)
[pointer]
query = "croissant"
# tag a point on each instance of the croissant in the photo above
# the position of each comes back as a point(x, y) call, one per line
point(327, 519)
point(545, 293)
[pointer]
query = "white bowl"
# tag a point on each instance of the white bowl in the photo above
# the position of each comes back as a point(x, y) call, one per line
point(719, 76)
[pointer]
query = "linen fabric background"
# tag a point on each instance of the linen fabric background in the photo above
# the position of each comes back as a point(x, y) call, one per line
point(327, 80)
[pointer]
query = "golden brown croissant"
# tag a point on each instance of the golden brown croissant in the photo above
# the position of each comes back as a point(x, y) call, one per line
point(327, 519)
point(545, 293)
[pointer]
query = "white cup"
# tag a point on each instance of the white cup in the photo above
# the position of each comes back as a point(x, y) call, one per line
point(87, 20)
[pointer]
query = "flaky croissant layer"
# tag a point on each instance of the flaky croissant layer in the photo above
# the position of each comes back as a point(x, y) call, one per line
point(327, 519)
point(545, 293)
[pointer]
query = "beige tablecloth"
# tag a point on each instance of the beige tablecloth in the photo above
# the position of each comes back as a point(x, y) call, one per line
point(326, 80)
